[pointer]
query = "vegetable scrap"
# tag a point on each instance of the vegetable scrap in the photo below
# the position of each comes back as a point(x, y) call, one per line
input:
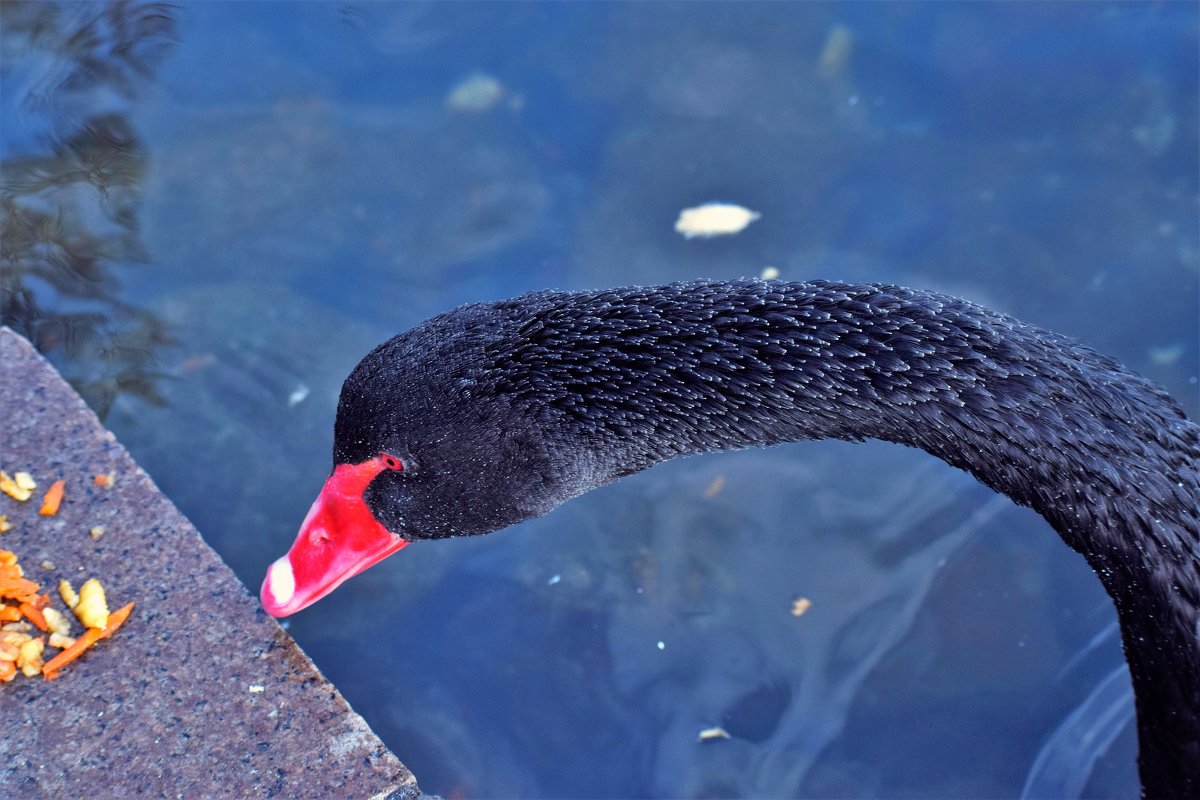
point(90, 637)
point(20, 601)
point(19, 487)
point(800, 605)
point(29, 656)
point(92, 607)
point(22, 608)
point(19, 651)
point(34, 615)
point(52, 499)
point(13, 584)
point(67, 593)
point(61, 641)
point(57, 622)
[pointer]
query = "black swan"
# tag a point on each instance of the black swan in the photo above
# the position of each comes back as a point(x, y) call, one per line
point(498, 412)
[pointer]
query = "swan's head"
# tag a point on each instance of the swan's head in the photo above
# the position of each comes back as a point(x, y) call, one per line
point(425, 447)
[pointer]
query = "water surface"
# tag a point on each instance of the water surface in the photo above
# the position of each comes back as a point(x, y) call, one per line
point(213, 210)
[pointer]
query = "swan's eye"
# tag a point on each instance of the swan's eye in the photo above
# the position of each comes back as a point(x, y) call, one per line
point(391, 462)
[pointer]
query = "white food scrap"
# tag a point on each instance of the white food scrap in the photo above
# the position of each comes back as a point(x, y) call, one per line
point(56, 621)
point(67, 593)
point(714, 219)
point(10, 644)
point(29, 657)
point(61, 640)
point(715, 732)
point(92, 608)
point(800, 605)
point(14, 487)
point(96, 532)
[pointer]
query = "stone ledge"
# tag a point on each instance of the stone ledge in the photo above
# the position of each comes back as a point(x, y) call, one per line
point(164, 708)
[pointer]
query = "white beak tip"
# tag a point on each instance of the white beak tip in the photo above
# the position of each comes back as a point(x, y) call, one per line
point(281, 581)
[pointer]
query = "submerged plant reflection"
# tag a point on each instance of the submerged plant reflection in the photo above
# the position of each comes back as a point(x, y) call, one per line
point(70, 197)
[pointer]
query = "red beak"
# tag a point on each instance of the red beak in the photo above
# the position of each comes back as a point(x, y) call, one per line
point(338, 539)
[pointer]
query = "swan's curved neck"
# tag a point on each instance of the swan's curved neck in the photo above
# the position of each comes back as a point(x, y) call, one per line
point(642, 375)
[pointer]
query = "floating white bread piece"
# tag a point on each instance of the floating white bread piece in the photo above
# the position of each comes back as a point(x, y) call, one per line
point(475, 94)
point(709, 734)
point(714, 219)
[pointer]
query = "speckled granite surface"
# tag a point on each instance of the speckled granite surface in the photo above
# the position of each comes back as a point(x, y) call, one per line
point(165, 708)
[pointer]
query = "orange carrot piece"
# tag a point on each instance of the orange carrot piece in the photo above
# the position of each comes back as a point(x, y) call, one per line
point(90, 637)
point(8, 671)
point(116, 619)
point(16, 587)
point(53, 499)
point(9, 613)
point(35, 615)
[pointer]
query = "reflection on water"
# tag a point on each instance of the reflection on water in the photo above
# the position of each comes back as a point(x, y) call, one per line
point(71, 189)
point(1064, 764)
point(718, 577)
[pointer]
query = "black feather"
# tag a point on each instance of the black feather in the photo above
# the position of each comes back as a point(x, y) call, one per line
point(508, 409)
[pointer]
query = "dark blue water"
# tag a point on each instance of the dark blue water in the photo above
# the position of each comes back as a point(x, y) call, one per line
point(211, 211)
